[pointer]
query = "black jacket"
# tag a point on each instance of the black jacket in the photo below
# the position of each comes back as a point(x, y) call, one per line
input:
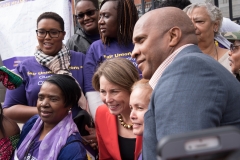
point(79, 42)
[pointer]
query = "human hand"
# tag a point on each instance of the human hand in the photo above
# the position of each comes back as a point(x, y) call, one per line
point(92, 138)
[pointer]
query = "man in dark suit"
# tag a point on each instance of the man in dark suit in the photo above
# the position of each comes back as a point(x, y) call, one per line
point(192, 91)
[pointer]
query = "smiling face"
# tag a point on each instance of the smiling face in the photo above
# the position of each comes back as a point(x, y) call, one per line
point(139, 100)
point(50, 46)
point(114, 96)
point(108, 19)
point(150, 49)
point(50, 104)
point(204, 27)
point(88, 23)
point(234, 57)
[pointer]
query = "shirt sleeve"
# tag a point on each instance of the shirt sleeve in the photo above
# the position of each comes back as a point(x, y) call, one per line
point(73, 151)
point(89, 68)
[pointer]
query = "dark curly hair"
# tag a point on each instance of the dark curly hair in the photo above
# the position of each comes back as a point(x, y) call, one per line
point(95, 3)
point(51, 15)
point(69, 87)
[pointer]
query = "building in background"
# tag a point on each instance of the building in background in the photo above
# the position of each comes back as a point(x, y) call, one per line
point(232, 12)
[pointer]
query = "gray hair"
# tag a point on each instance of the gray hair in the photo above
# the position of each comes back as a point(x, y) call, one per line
point(214, 12)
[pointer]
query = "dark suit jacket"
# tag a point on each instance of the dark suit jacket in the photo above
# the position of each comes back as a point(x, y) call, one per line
point(195, 92)
point(107, 134)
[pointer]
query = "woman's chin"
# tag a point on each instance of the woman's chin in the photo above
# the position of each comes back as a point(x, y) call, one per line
point(114, 112)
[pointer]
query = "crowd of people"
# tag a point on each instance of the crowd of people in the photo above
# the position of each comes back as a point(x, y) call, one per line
point(137, 79)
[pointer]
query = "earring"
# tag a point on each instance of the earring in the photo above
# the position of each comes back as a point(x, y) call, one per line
point(70, 110)
point(120, 28)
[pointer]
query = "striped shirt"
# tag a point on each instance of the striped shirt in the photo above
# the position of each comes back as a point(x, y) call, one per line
point(158, 73)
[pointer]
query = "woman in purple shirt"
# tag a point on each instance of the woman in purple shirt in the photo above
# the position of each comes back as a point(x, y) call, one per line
point(51, 57)
point(116, 22)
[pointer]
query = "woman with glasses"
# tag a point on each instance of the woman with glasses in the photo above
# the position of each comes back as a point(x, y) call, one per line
point(207, 20)
point(234, 54)
point(116, 22)
point(51, 57)
point(52, 134)
point(87, 16)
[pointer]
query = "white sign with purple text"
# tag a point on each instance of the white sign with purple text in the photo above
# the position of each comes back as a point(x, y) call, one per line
point(18, 24)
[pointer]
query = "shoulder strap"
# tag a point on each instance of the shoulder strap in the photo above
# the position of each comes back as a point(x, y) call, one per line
point(76, 140)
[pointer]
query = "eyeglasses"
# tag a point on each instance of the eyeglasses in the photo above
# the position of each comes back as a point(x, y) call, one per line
point(88, 13)
point(233, 48)
point(53, 33)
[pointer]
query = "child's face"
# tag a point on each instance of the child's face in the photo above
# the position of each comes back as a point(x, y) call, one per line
point(234, 56)
point(139, 101)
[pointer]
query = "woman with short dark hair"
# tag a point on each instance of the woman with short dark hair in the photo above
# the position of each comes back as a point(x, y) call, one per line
point(87, 16)
point(51, 57)
point(52, 134)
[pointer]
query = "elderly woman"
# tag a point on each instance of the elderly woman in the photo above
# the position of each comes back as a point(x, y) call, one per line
point(9, 130)
point(116, 30)
point(87, 12)
point(139, 100)
point(51, 57)
point(113, 79)
point(234, 55)
point(52, 134)
point(207, 19)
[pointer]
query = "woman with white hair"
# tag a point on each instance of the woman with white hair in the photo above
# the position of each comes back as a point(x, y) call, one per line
point(207, 20)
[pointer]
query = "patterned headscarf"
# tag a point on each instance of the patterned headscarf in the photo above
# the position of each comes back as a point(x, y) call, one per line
point(10, 79)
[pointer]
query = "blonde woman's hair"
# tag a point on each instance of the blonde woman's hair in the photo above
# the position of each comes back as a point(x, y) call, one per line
point(119, 71)
point(143, 84)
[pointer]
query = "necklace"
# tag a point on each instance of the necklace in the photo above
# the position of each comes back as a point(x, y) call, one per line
point(128, 126)
point(216, 52)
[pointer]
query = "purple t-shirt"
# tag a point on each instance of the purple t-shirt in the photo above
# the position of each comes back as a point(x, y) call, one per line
point(97, 53)
point(34, 75)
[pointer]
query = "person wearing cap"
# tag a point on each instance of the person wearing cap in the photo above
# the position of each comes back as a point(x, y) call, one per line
point(234, 55)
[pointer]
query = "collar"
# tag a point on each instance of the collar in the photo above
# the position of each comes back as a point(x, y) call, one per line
point(158, 73)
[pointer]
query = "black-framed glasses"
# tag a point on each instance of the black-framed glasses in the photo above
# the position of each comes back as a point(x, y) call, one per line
point(233, 48)
point(53, 33)
point(88, 13)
